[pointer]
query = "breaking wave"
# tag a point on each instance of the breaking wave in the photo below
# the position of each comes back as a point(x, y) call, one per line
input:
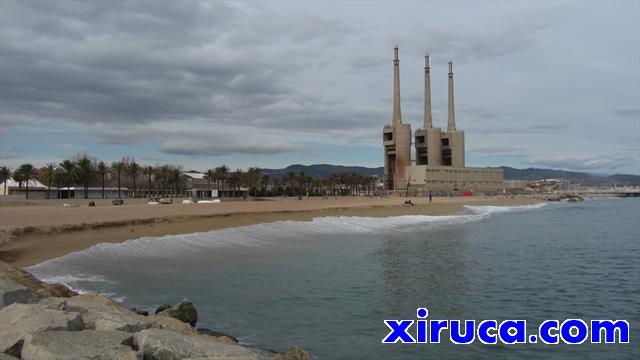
point(71, 269)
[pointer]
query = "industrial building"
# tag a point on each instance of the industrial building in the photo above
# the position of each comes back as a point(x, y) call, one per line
point(438, 162)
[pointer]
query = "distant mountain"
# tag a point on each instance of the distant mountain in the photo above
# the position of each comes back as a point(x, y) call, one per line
point(573, 176)
point(324, 170)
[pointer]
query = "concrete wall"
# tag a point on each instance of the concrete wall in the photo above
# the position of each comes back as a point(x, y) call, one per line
point(450, 178)
point(456, 143)
point(397, 155)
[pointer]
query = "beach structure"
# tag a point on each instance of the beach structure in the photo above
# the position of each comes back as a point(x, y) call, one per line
point(438, 163)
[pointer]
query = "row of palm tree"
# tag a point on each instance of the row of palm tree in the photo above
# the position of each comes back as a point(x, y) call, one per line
point(168, 180)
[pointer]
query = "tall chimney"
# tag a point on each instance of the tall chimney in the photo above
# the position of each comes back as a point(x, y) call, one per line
point(397, 116)
point(451, 124)
point(428, 123)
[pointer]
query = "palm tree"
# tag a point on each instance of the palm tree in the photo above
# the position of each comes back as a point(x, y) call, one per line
point(163, 173)
point(68, 173)
point(176, 175)
point(148, 171)
point(118, 167)
point(301, 182)
point(210, 175)
point(264, 181)
point(27, 173)
point(103, 168)
point(51, 171)
point(253, 176)
point(291, 178)
point(86, 173)
point(5, 173)
point(236, 178)
point(221, 174)
point(133, 169)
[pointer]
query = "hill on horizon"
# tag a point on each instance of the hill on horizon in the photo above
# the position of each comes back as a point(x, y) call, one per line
point(324, 170)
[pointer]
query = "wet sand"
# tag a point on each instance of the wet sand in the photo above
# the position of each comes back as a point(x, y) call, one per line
point(30, 234)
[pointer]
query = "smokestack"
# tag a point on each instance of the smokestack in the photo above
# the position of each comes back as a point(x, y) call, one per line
point(451, 124)
point(428, 123)
point(397, 116)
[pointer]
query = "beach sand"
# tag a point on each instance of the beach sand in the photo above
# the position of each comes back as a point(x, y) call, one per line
point(30, 234)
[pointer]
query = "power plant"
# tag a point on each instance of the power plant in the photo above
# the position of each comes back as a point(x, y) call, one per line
point(439, 159)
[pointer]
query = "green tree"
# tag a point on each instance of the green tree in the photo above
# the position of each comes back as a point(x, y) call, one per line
point(68, 173)
point(210, 175)
point(133, 170)
point(5, 173)
point(86, 173)
point(118, 167)
point(253, 176)
point(222, 172)
point(291, 179)
point(103, 169)
point(51, 172)
point(148, 171)
point(27, 172)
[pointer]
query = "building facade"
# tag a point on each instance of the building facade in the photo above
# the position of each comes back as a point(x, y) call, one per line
point(439, 160)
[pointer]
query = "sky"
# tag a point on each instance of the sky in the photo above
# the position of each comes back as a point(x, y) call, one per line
point(269, 84)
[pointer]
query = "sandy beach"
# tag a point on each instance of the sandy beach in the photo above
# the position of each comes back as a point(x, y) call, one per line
point(30, 234)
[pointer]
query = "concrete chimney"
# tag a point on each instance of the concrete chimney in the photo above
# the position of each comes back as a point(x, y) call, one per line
point(428, 123)
point(397, 116)
point(451, 124)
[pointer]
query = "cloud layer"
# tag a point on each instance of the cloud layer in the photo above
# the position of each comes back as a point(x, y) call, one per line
point(200, 79)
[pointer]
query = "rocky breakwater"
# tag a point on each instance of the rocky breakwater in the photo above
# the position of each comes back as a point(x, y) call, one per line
point(43, 321)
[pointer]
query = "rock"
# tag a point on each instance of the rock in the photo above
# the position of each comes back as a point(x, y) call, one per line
point(160, 344)
point(13, 292)
point(140, 312)
point(296, 353)
point(100, 313)
point(218, 336)
point(161, 308)
point(4, 356)
point(85, 344)
point(20, 320)
point(183, 311)
point(38, 287)
point(165, 322)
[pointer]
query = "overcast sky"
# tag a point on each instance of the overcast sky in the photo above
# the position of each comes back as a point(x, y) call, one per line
point(543, 84)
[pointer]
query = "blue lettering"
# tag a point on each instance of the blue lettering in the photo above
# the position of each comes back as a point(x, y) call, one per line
point(513, 331)
point(398, 331)
point(483, 332)
point(467, 337)
point(581, 334)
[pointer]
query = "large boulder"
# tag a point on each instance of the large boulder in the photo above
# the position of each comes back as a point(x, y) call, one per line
point(183, 311)
point(101, 313)
point(296, 353)
point(165, 322)
point(161, 344)
point(40, 288)
point(14, 292)
point(20, 320)
point(86, 344)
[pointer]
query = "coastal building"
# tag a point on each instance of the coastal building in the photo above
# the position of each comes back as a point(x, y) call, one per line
point(438, 163)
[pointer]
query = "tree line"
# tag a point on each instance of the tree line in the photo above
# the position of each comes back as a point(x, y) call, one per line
point(168, 180)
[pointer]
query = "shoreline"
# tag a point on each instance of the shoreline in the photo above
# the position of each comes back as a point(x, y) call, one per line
point(48, 232)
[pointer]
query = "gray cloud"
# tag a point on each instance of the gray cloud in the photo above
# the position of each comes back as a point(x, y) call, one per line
point(610, 162)
point(136, 64)
point(193, 143)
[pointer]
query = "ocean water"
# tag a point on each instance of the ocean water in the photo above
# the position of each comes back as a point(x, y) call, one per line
point(327, 285)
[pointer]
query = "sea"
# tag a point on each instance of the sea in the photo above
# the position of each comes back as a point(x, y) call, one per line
point(327, 285)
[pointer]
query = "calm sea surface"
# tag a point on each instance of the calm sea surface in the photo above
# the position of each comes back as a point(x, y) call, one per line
point(327, 285)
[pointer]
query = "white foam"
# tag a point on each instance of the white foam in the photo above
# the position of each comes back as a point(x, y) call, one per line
point(248, 236)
